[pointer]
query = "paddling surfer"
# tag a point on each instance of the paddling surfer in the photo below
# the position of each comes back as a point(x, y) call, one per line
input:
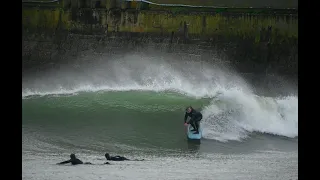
point(73, 160)
point(119, 158)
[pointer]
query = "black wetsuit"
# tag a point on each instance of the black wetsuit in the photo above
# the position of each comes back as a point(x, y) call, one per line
point(73, 161)
point(195, 119)
point(117, 158)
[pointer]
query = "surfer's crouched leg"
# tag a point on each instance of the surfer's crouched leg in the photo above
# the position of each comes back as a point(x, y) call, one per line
point(197, 127)
point(197, 123)
point(192, 123)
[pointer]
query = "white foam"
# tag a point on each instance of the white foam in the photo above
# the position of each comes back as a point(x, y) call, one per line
point(217, 166)
point(239, 113)
point(235, 112)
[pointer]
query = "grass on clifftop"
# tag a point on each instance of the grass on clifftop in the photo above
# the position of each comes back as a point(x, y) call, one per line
point(234, 3)
point(45, 1)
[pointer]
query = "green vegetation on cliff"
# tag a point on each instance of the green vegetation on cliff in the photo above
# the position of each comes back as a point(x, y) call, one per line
point(234, 3)
point(247, 23)
point(249, 35)
point(198, 24)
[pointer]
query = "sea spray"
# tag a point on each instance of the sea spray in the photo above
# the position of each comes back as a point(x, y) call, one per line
point(235, 110)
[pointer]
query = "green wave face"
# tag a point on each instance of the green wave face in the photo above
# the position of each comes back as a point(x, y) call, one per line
point(134, 117)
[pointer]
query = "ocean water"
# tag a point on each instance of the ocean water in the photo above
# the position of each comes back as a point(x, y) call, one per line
point(133, 105)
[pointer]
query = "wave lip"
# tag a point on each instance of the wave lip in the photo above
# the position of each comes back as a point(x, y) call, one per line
point(234, 112)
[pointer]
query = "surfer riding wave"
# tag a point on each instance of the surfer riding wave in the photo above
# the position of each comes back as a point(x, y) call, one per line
point(195, 118)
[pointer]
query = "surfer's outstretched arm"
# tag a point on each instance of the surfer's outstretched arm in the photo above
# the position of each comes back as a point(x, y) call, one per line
point(185, 117)
point(65, 162)
point(138, 160)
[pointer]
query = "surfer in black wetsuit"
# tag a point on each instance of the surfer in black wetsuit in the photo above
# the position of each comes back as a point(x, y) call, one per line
point(195, 119)
point(119, 158)
point(73, 160)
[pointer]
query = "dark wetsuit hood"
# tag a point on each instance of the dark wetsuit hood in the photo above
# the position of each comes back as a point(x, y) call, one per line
point(107, 156)
point(193, 114)
point(72, 156)
point(190, 108)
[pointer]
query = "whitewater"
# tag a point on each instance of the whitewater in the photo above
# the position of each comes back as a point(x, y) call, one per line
point(235, 110)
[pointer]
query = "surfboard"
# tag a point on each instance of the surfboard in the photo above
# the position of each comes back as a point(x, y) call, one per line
point(190, 134)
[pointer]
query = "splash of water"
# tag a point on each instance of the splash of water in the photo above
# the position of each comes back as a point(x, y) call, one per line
point(234, 112)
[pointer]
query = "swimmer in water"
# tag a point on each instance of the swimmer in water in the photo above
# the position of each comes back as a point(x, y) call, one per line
point(73, 160)
point(119, 158)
